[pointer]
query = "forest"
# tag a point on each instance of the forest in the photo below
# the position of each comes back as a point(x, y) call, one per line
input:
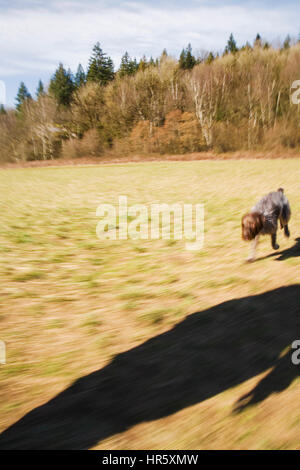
point(235, 101)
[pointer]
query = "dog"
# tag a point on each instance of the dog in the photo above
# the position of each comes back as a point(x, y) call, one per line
point(263, 220)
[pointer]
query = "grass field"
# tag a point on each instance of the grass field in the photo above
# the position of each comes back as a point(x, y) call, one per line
point(165, 342)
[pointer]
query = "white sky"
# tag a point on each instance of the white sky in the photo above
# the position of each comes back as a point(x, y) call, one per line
point(36, 35)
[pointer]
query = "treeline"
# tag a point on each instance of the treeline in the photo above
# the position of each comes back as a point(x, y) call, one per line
point(235, 101)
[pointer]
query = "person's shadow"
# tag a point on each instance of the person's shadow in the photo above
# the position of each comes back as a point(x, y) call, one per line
point(277, 380)
point(204, 355)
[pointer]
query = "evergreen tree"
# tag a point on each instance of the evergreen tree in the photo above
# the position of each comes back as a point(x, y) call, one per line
point(182, 59)
point(40, 91)
point(164, 55)
point(101, 67)
point(231, 47)
point(22, 96)
point(210, 58)
point(80, 78)
point(134, 65)
point(186, 59)
point(128, 66)
point(287, 42)
point(62, 86)
point(125, 64)
point(257, 41)
point(143, 64)
point(153, 63)
point(190, 60)
point(2, 109)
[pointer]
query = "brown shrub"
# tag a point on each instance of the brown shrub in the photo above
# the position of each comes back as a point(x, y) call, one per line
point(180, 133)
point(88, 146)
point(228, 138)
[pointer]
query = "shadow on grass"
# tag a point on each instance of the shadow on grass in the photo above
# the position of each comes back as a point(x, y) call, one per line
point(204, 355)
point(277, 380)
point(292, 252)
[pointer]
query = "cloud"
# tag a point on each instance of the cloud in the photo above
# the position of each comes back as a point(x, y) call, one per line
point(37, 38)
point(36, 35)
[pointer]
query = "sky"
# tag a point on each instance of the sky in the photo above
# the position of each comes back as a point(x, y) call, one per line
point(35, 35)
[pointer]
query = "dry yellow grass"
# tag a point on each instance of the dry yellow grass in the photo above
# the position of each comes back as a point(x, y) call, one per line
point(74, 307)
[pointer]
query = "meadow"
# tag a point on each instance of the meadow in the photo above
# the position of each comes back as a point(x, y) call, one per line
point(160, 343)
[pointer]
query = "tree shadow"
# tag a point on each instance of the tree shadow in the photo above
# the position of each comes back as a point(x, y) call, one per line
point(202, 356)
point(292, 252)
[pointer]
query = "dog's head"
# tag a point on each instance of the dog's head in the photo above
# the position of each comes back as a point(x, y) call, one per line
point(252, 224)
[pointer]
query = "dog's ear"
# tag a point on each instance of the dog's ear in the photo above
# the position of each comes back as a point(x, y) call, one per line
point(280, 190)
point(252, 224)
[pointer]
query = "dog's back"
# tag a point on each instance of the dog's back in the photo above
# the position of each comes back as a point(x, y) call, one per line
point(274, 205)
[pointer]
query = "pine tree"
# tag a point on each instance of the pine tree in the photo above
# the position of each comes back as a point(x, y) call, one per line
point(125, 65)
point(62, 86)
point(80, 77)
point(257, 41)
point(152, 62)
point(231, 47)
point(287, 42)
point(134, 66)
point(190, 60)
point(2, 109)
point(210, 58)
point(101, 67)
point(164, 55)
point(182, 59)
point(143, 64)
point(40, 91)
point(22, 96)
point(128, 66)
point(186, 59)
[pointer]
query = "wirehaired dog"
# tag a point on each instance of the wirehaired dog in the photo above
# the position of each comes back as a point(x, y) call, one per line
point(263, 220)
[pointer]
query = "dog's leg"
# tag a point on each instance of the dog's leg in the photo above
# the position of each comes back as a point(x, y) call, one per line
point(275, 246)
point(284, 219)
point(252, 253)
point(286, 230)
